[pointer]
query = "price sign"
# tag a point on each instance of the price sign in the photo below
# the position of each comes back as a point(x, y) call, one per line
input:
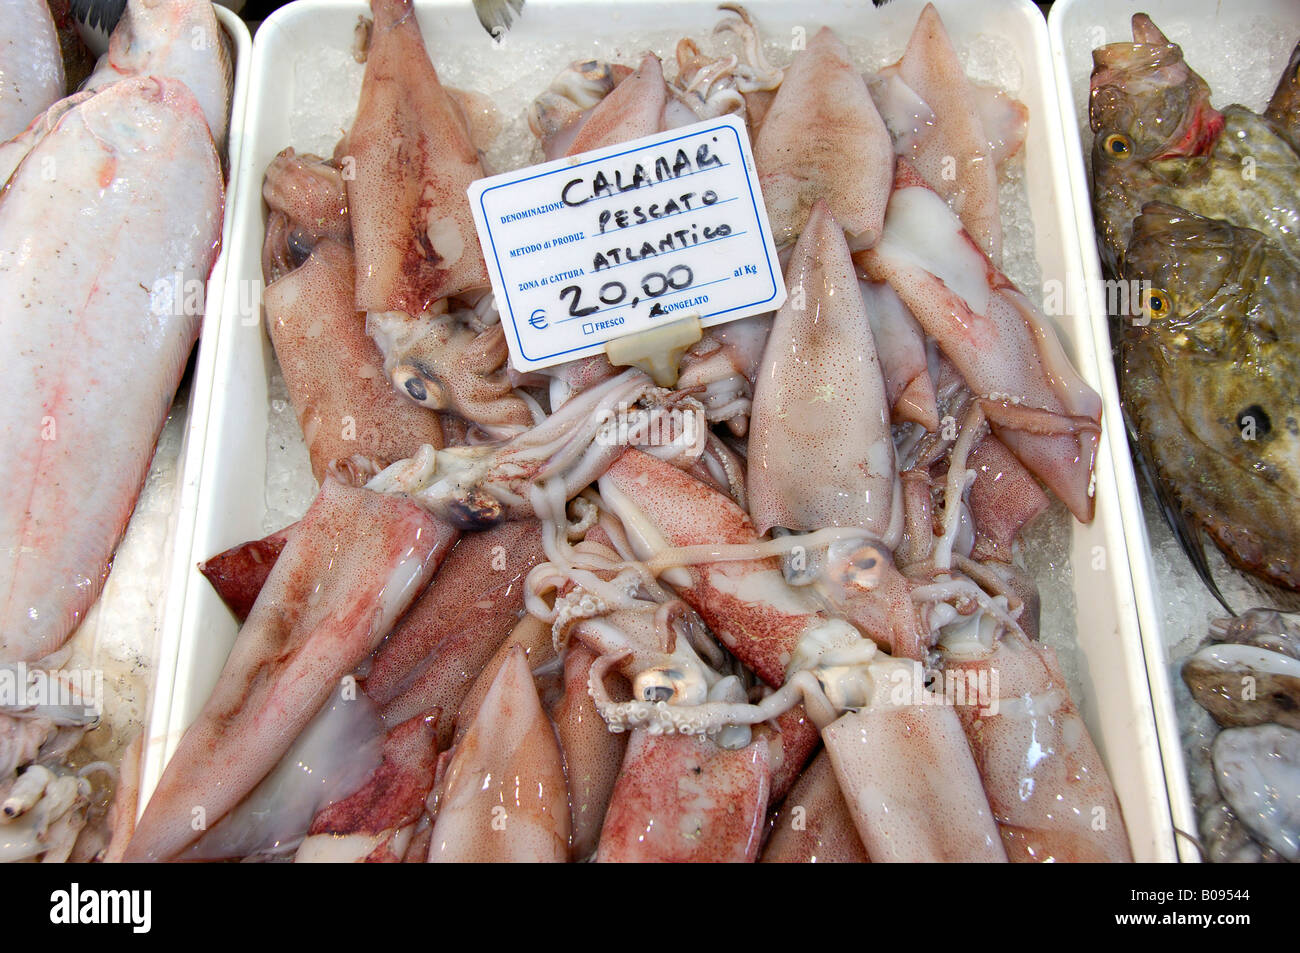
point(598, 246)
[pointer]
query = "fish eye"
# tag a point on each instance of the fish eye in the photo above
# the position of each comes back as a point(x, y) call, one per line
point(1118, 145)
point(1158, 303)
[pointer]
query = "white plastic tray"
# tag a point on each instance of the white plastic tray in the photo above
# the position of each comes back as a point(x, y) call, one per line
point(200, 398)
point(1076, 27)
point(1114, 696)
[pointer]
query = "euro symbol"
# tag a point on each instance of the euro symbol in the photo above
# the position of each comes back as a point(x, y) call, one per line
point(538, 319)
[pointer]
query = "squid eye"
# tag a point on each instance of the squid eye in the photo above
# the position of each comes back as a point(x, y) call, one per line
point(1158, 303)
point(419, 386)
point(1118, 145)
point(859, 566)
point(669, 684)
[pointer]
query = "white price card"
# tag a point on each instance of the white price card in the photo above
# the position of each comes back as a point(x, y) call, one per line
point(598, 246)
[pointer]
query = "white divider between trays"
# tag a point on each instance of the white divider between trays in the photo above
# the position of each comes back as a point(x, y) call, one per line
point(160, 737)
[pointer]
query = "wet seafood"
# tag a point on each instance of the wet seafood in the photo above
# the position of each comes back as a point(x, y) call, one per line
point(1045, 782)
point(1158, 139)
point(414, 235)
point(180, 39)
point(352, 566)
point(506, 796)
point(31, 66)
point(822, 138)
point(1247, 675)
point(1205, 376)
point(354, 423)
point(814, 825)
point(311, 193)
point(664, 603)
point(376, 822)
point(1284, 108)
point(950, 146)
point(820, 364)
point(1003, 346)
point(1259, 774)
point(147, 138)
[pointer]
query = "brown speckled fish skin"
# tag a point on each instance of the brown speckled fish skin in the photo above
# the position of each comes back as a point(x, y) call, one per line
point(1146, 92)
point(1180, 150)
point(1228, 352)
point(1284, 108)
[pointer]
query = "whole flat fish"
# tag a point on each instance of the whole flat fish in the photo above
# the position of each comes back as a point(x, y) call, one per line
point(1209, 375)
point(31, 64)
point(108, 230)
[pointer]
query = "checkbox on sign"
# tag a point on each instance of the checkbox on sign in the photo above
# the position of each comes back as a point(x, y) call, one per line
point(588, 329)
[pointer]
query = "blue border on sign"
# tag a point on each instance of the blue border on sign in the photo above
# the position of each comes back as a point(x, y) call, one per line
point(595, 346)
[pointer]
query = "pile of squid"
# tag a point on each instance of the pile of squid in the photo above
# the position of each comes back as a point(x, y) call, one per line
point(575, 615)
point(112, 198)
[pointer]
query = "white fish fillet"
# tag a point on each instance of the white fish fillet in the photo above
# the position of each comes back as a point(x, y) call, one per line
point(31, 65)
point(180, 39)
point(106, 228)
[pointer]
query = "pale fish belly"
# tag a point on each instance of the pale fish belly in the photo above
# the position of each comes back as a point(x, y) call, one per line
point(31, 66)
point(180, 39)
point(108, 231)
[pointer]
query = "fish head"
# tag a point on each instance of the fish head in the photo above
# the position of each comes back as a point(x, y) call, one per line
point(1210, 364)
point(1205, 280)
point(1146, 103)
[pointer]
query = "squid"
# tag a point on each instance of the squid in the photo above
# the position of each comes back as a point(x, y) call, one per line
point(948, 144)
point(901, 347)
point(311, 192)
point(444, 363)
point(239, 573)
point(532, 638)
point(377, 823)
point(638, 106)
point(684, 799)
point(558, 114)
point(414, 159)
point(822, 138)
point(352, 566)
point(478, 486)
point(592, 753)
point(911, 784)
point(353, 422)
point(1047, 788)
point(814, 825)
point(820, 395)
point(720, 370)
point(506, 796)
point(716, 86)
point(433, 655)
point(1004, 347)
